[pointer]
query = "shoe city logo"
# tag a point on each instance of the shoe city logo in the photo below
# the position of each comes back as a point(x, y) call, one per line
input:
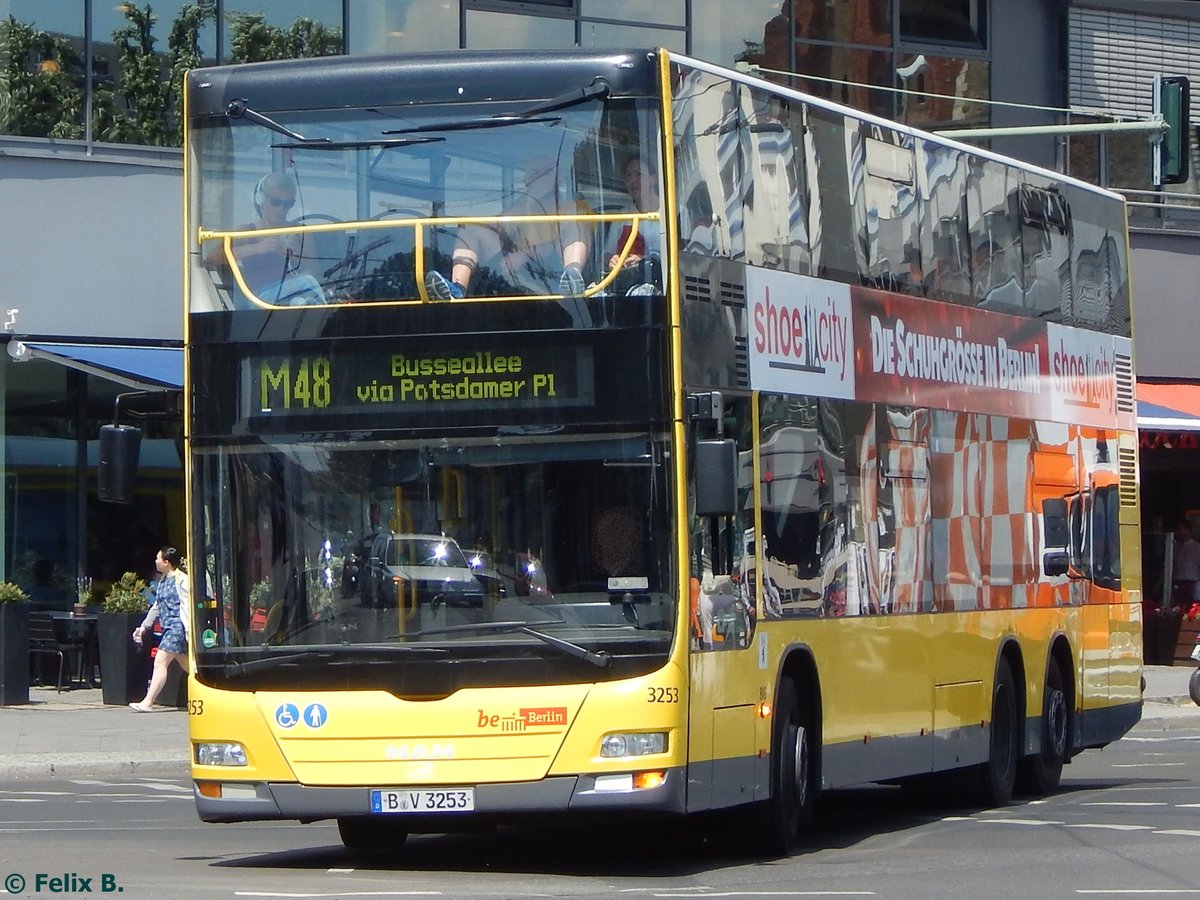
point(524, 719)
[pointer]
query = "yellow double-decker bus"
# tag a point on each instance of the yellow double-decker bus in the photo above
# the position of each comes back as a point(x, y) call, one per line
point(596, 433)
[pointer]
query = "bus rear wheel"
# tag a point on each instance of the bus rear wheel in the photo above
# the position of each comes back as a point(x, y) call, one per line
point(1040, 773)
point(998, 776)
point(782, 819)
point(369, 833)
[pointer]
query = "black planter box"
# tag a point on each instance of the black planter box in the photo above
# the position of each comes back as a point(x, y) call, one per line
point(14, 654)
point(124, 665)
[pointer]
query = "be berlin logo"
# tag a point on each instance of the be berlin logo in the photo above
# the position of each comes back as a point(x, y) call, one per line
point(66, 883)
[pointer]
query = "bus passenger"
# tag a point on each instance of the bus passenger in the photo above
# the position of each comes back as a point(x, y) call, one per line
point(270, 265)
point(532, 257)
point(641, 268)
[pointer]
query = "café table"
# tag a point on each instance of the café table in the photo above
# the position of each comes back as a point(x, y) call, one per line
point(81, 630)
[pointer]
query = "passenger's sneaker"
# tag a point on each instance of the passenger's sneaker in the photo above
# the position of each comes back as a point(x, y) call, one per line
point(641, 290)
point(439, 287)
point(571, 282)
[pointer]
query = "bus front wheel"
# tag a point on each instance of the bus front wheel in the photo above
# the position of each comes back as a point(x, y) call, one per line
point(783, 817)
point(370, 833)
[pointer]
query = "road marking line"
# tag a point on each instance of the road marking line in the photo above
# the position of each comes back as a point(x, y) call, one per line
point(1145, 765)
point(1125, 803)
point(340, 894)
point(1181, 832)
point(1124, 891)
point(1020, 822)
point(1113, 827)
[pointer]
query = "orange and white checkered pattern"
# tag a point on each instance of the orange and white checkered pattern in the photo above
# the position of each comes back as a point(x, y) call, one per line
point(952, 520)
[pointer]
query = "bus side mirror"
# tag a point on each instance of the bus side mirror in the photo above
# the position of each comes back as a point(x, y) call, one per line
point(1054, 523)
point(716, 478)
point(117, 467)
point(1056, 562)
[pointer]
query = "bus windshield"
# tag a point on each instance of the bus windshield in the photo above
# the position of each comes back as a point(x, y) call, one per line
point(336, 548)
point(371, 201)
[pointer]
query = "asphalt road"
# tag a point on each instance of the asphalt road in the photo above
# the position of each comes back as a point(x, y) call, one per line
point(1126, 823)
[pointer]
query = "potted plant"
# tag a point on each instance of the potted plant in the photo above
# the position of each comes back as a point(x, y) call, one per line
point(124, 665)
point(14, 645)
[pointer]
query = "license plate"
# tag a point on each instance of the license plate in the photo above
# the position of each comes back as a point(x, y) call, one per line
point(424, 800)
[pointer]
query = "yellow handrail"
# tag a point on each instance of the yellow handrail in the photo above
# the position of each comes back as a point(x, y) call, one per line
point(227, 237)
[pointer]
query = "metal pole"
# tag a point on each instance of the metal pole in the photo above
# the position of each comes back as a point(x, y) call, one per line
point(1149, 126)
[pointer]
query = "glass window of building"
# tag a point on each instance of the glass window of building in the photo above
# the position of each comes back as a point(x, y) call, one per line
point(944, 21)
point(603, 34)
point(399, 26)
point(846, 74)
point(844, 21)
point(282, 29)
point(755, 31)
point(661, 12)
point(41, 44)
point(947, 92)
point(125, 109)
point(501, 31)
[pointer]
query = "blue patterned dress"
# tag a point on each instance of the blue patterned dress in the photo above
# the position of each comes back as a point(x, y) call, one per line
point(174, 638)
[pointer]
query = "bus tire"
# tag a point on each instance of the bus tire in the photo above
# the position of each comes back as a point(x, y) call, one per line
point(1040, 773)
point(1194, 686)
point(370, 833)
point(782, 819)
point(998, 776)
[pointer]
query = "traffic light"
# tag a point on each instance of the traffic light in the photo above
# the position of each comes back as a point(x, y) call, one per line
point(1171, 101)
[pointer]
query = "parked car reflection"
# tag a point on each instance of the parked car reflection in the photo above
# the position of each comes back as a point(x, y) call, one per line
point(415, 569)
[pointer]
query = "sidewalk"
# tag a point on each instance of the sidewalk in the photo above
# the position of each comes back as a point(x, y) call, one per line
point(73, 734)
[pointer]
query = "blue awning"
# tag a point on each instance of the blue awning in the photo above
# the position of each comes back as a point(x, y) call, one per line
point(142, 368)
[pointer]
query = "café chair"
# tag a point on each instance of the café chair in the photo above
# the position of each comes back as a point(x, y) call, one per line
point(44, 640)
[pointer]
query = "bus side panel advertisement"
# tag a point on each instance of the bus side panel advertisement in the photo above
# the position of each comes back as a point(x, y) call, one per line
point(800, 336)
point(810, 336)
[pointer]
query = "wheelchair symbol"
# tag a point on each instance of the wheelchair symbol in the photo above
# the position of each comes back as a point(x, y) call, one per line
point(287, 715)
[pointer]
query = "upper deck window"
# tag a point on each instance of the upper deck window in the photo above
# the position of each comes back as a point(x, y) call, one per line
point(364, 186)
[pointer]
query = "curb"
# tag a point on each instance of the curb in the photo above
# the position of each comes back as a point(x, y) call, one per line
point(165, 767)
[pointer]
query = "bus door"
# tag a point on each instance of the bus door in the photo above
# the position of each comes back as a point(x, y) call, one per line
point(724, 678)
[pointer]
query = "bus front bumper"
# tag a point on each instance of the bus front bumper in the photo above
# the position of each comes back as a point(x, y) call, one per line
point(573, 794)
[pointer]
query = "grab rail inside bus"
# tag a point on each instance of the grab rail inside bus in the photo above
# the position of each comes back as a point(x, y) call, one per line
point(419, 226)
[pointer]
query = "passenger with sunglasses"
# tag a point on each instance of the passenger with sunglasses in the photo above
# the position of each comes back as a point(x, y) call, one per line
point(271, 265)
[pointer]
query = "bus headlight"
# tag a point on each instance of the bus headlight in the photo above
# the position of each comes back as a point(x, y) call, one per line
point(638, 744)
point(223, 754)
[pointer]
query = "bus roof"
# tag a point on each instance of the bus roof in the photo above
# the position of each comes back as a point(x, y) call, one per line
point(452, 76)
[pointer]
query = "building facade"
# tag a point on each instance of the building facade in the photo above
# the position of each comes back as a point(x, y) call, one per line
point(92, 260)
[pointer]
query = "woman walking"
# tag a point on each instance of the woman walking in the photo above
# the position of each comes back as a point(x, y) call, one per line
point(171, 608)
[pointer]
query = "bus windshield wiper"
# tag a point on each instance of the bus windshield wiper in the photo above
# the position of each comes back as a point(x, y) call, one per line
point(327, 144)
point(239, 109)
point(271, 661)
point(599, 89)
point(601, 659)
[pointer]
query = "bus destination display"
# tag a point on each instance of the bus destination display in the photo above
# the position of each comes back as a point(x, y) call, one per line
point(350, 382)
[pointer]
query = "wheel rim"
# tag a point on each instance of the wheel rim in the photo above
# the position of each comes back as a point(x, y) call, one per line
point(800, 768)
point(1056, 725)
